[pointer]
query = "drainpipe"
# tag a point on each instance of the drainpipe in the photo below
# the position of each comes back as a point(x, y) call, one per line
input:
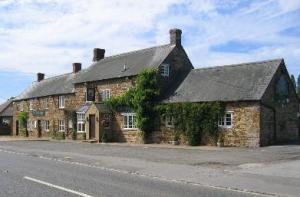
point(274, 119)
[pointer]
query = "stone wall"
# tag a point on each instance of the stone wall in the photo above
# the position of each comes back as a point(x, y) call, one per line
point(245, 130)
point(284, 114)
point(53, 114)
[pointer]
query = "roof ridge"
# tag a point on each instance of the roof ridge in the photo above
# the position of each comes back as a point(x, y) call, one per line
point(238, 64)
point(135, 51)
point(56, 76)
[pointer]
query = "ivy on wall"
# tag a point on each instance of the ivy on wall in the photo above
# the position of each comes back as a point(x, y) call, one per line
point(22, 118)
point(142, 98)
point(193, 120)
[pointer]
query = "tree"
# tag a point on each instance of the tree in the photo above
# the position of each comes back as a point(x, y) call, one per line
point(298, 85)
point(293, 81)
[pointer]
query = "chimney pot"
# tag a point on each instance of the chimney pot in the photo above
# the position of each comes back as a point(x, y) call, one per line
point(76, 67)
point(40, 77)
point(175, 36)
point(98, 54)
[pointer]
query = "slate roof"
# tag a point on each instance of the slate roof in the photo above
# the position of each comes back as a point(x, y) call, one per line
point(239, 82)
point(107, 68)
point(135, 61)
point(6, 109)
point(62, 84)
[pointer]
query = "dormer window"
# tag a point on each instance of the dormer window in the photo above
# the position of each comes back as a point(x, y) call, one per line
point(165, 70)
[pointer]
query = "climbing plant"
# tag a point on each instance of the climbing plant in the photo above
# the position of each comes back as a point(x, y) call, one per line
point(190, 119)
point(194, 120)
point(71, 115)
point(22, 118)
point(142, 98)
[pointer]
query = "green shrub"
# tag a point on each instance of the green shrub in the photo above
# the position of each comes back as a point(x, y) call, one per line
point(104, 137)
point(74, 135)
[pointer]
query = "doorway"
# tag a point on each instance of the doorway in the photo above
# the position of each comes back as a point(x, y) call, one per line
point(92, 126)
point(17, 127)
point(39, 128)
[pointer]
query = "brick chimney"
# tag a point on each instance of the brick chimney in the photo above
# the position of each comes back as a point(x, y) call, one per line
point(175, 36)
point(40, 77)
point(76, 67)
point(98, 54)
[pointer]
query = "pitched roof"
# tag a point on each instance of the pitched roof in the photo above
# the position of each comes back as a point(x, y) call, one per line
point(6, 108)
point(62, 84)
point(246, 81)
point(107, 68)
point(135, 62)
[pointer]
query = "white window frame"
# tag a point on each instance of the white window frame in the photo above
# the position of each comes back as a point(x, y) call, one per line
point(223, 120)
point(61, 125)
point(45, 103)
point(165, 70)
point(22, 106)
point(47, 125)
point(31, 105)
point(169, 119)
point(61, 102)
point(105, 94)
point(80, 122)
point(126, 121)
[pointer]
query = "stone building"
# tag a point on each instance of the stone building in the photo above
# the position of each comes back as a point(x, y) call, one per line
point(6, 116)
point(261, 104)
point(260, 100)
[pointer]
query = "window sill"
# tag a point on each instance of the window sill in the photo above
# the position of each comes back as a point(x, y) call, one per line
point(81, 132)
point(130, 129)
point(225, 127)
point(62, 131)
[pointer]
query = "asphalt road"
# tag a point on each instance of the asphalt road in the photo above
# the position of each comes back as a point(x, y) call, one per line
point(23, 174)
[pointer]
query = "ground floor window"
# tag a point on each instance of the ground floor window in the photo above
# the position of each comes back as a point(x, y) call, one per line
point(80, 122)
point(169, 121)
point(226, 120)
point(47, 125)
point(61, 125)
point(106, 120)
point(129, 121)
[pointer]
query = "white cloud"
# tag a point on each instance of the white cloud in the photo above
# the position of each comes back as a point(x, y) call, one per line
point(47, 36)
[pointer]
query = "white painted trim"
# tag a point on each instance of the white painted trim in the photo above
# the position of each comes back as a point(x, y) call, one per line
point(56, 186)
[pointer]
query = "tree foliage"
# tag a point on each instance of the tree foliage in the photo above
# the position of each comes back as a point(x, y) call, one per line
point(293, 81)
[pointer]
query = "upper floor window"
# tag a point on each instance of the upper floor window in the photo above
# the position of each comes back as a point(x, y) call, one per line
point(165, 70)
point(106, 94)
point(226, 120)
point(30, 105)
point(129, 121)
point(22, 106)
point(45, 103)
point(61, 102)
point(90, 94)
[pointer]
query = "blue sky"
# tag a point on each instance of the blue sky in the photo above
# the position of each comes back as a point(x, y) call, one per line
point(49, 35)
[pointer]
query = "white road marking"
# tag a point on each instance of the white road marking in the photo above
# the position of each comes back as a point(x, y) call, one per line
point(56, 186)
point(245, 191)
